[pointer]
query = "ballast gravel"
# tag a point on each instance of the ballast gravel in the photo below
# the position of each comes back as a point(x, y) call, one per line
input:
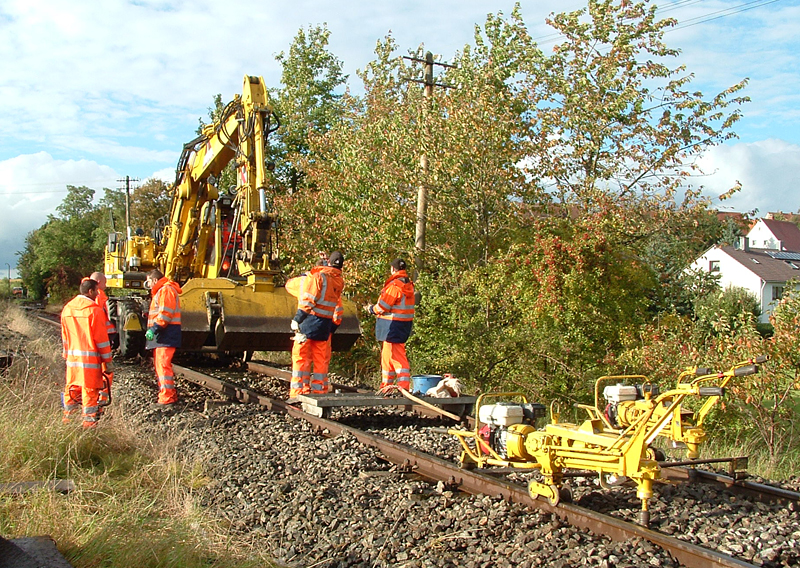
point(311, 501)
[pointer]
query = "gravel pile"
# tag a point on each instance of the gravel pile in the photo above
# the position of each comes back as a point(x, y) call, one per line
point(314, 501)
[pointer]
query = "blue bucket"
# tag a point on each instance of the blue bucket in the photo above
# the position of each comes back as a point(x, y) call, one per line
point(424, 382)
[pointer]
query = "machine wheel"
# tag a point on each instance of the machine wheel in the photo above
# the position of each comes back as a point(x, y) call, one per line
point(565, 494)
point(549, 492)
point(555, 497)
point(131, 343)
point(659, 455)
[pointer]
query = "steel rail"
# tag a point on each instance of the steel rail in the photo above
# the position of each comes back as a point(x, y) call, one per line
point(478, 483)
point(759, 491)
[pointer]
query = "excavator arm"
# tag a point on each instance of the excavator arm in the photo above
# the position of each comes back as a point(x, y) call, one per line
point(239, 135)
point(221, 244)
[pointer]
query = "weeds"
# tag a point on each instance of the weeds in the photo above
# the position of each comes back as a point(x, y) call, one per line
point(133, 505)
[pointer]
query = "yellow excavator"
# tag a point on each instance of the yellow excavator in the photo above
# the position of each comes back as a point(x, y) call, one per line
point(220, 245)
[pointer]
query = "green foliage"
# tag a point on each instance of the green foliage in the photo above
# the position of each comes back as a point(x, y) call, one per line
point(613, 126)
point(532, 317)
point(724, 312)
point(306, 103)
point(66, 248)
point(149, 202)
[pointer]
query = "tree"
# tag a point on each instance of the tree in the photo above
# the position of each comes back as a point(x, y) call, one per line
point(67, 247)
point(613, 128)
point(149, 202)
point(307, 102)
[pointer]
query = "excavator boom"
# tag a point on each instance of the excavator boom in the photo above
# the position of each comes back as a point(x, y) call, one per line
point(221, 244)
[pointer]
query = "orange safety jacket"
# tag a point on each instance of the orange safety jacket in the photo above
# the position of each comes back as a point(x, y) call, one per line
point(164, 317)
point(295, 287)
point(85, 342)
point(319, 305)
point(102, 301)
point(395, 309)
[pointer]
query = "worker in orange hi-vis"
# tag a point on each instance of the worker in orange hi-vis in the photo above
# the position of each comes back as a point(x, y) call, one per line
point(395, 315)
point(102, 301)
point(164, 333)
point(319, 313)
point(113, 336)
point(87, 351)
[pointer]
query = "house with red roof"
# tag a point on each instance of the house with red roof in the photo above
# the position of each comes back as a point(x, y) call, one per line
point(764, 262)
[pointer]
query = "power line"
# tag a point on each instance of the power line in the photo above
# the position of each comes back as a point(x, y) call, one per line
point(553, 37)
point(723, 13)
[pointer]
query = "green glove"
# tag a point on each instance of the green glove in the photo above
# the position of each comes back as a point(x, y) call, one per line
point(149, 335)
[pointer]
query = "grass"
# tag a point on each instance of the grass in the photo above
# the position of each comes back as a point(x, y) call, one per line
point(134, 503)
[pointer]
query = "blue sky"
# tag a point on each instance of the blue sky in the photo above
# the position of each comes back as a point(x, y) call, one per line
point(93, 91)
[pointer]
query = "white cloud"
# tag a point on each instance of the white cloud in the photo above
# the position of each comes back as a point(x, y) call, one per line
point(769, 172)
point(166, 175)
point(33, 185)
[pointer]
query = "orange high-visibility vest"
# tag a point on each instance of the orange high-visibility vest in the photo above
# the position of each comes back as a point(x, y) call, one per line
point(102, 301)
point(165, 308)
point(295, 287)
point(85, 342)
point(322, 292)
point(397, 298)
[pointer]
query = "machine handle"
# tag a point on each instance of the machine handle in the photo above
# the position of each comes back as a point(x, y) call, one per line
point(711, 391)
point(744, 371)
point(700, 371)
point(762, 358)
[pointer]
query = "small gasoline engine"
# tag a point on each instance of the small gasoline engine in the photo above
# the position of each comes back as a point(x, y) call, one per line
point(498, 417)
point(618, 398)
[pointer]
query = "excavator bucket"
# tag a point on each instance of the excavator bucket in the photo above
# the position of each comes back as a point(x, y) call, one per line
point(223, 315)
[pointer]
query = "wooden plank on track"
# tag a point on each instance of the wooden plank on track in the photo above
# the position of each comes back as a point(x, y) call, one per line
point(370, 399)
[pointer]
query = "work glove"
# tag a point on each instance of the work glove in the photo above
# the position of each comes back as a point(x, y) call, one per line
point(149, 335)
point(107, 367)
point(299, 337)
point(295, 326)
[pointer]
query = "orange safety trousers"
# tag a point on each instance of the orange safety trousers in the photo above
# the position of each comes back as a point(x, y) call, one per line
point(162, 359)
point(304, 356)
point(395, 366)
point(76, 396)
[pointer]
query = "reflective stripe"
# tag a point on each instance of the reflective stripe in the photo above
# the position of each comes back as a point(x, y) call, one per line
point(319, 305)
point(79, 353)
point(83, 365)
point(403, 311)
point(165, 308)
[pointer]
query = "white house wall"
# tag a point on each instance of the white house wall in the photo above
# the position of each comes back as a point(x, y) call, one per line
point(735, 274)
point(761, 237)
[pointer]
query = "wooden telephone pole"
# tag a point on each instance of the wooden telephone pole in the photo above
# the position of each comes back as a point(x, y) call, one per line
point(422, 191)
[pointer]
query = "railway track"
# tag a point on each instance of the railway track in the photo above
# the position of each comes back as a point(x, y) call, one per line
point(452, 478)
point(478, 483)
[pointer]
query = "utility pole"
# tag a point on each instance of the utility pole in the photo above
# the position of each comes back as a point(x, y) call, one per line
point(422, 191)
point(128, 181)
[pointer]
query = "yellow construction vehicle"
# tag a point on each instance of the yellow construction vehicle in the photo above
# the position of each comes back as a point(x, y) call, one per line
point(219, 244)
point(505, 435)
point(626, 403)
